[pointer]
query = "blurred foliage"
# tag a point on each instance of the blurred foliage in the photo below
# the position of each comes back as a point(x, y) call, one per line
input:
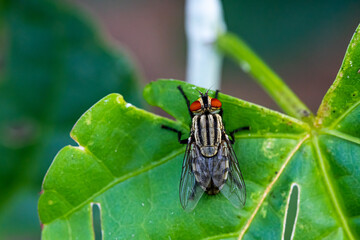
point(55, 67)
point(275, 28)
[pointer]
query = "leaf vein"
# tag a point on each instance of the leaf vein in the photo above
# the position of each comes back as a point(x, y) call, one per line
point(69, 229)
point(269, 187)
point(330, 188)
point(60, 196)
point(342, 135)
point(106, 168)
point(122, 179)
point(347, 112)
point(271, 135)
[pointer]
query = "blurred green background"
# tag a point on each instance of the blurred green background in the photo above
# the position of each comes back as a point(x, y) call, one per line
point(58, 58)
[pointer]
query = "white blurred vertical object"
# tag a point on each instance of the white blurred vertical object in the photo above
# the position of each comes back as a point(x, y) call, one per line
point(204, 22)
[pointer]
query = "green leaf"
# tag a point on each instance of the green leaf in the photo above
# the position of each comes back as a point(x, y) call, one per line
point(138, 169)
point(131, 167)
point(340, 108)
point(56, 66)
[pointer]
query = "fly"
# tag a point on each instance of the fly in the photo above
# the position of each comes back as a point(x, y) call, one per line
point(210, 164)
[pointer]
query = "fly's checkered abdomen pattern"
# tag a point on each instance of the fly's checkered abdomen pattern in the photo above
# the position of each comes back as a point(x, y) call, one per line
point(211, 173)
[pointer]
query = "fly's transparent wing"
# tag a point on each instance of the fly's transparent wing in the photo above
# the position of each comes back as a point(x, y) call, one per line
point(234, 188)
point(190, 191)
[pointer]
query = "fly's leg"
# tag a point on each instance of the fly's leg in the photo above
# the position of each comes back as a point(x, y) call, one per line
point(217, 93)
point(232, 140)
point(181, 141)
point(187, 100)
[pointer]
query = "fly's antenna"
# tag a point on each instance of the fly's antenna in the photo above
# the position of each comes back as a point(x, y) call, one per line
point(202, 95)
point(207, 92)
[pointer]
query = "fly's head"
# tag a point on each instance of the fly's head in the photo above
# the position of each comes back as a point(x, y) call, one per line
point(205, 105)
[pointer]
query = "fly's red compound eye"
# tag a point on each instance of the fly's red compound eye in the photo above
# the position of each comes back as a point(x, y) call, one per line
point(195, 106)
point(215, 103)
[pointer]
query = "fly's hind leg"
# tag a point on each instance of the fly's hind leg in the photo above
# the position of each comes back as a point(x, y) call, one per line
point(181, 141)
point(232, 140)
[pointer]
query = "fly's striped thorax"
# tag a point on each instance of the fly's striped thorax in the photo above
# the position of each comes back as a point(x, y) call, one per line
point(207, 130)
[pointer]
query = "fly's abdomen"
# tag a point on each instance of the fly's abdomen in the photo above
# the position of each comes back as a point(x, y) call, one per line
point(220, 168)
point(207, 132)
point(211, 172)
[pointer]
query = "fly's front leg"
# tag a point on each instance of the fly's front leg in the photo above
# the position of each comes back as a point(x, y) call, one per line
point(181, 141)
point(217, 93)
point(187, 101)
point(232, 140)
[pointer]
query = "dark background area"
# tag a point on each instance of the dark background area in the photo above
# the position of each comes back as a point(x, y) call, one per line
point(304, 42)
